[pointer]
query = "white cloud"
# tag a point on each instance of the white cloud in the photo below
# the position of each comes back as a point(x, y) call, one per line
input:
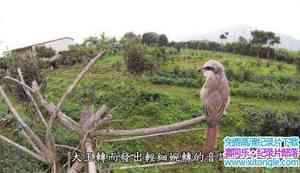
point(30, 21)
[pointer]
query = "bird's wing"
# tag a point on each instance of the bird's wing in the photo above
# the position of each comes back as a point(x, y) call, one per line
point(224, 96)
point(216, 102)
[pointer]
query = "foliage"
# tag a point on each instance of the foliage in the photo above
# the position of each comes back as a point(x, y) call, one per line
point(260, 37)
point(267, 122)
point(150, 38)
point(140, 58)
point(32, 70)
point(14, 160)
point(162, 40)
point(264, 92)
point(260, 46)
point(44, 52)
point(298, 66)
point(129, 38)
point(135, 58)
point(178, 77)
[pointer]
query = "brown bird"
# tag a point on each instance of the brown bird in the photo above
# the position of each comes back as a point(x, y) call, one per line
point(215, 98)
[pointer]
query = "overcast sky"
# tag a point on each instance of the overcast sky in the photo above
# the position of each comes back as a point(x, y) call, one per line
point(24, 22)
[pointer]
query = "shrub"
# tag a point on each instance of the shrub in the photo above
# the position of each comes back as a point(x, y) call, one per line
point(280, 66)
point(261, 91)
point(266, 122)
point(135, 58)
point(32, 70)
point(242, 74)
point(298, 66)
point(140, 58)
point(184, 82)
point(44, 52)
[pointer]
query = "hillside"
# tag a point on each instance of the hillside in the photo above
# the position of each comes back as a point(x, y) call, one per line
point(235, 32)
point(168, 96)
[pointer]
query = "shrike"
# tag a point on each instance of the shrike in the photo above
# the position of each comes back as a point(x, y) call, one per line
point(215, 98)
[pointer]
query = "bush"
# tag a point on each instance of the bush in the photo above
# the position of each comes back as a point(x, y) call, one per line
point(128, 99)
point(263, 91)
point(298, 66)
point(32, 70)
point(267, 122)
point(242, 74)
point(44, 52)
point(140, 58)
point(135, 58)
point(184, 82)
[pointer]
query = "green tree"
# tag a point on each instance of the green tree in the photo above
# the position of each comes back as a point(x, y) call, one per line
point(130, 36)
point(262, 38)
point(150, 38)
point(243, 40)
point(104, 41)
point(134, 55)
point(44, 52)
point(91, 42)
point(162, 40)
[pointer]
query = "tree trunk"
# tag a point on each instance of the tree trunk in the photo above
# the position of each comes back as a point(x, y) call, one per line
point(89, 149)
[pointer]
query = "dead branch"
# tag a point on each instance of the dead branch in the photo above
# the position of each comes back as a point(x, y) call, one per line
point(69, 160)
point(151, 130)
point(79, 77)
point(72, 86)
point(36, 156)
point(103, 115)
point(35, 139)
point(76, 167)
point(31, 143)
point(32, 99)
point(89, 149)
point(19, 82)
point(67, 147)
point(141, 166)
point(152, 135)
point(66, 121)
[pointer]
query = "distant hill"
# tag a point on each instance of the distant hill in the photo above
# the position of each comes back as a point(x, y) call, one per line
point(235, 32)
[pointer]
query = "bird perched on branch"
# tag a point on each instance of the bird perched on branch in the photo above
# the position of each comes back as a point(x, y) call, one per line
point(215, 98)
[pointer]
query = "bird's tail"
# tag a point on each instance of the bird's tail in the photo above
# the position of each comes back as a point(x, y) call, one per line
point(212, 134)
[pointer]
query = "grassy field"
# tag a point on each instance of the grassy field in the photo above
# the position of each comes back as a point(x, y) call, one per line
point(167, 97)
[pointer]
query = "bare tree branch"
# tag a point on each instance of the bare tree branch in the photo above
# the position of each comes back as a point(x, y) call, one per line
point(79, 77)
point(31, 143)
point(68, 147)
point(65, 120)
point(89, 149)
point(19, 82)
point(151, 130)
point(69, 160)
point(32, 99)
point(141, 166)
point(152, 135)
point(36, 156)
point(72, 86)
point(35, 139)
point(76, 167)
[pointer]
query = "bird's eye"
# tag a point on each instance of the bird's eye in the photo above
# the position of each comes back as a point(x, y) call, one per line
point(208, 68)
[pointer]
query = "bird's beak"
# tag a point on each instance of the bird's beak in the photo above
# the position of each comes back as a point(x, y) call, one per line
point(199, 70)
